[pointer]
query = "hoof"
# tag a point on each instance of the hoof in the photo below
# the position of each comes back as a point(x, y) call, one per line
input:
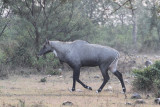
point(89, 88)
point(73, 89)
point(124, 90)
point(98, 91)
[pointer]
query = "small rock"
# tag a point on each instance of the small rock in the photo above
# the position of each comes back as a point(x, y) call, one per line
point(136, 96)
point(60, 76)
point(147, 96)
point(43, 80)
point(140, 101)
point(67, 103)
point(97, 76)
point(148, 63)
point(132, 62)
point(138, 56)
point(60, 69)
point(127, 103)
point(49, 75)
point(22, 72)
point(157, 101)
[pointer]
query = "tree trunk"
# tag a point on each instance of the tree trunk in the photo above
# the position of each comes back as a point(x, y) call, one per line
point(37, 39)
point(158, 31)
point(134, 32)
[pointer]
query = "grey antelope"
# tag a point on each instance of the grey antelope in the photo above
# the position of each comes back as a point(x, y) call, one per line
point(80, 53)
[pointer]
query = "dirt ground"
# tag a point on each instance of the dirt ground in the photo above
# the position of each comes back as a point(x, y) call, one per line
point(21, 91)
point(28, 91)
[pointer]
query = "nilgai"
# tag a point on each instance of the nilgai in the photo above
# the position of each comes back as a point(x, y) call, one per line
point(80, 53)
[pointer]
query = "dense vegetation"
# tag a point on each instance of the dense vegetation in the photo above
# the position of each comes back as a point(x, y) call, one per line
point(148, 79)
point(127, 25)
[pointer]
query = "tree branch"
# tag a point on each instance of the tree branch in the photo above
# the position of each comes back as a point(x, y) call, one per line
point(5, 26)
point(119, 6)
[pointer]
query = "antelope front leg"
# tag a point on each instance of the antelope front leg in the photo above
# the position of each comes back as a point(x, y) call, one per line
point(105, 75)
point(106, 78)
point(74, 83)
point(76, 74)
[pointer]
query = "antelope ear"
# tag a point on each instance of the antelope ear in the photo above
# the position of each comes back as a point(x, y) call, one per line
point(47, 41)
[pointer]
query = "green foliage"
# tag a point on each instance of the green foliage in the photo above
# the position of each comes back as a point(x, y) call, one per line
point(43, 80)
point(8, 46)
point(22, 57)
point(114, 36)
point(53, 72)
point(7, 49)
point(148, 79)
point(30, 23)
point(2, 56)
point(49, 61)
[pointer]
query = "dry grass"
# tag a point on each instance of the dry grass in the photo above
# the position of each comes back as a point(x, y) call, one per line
point(18, 91)
point(21, 91)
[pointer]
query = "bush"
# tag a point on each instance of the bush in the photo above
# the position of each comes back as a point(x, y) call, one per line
point(47, 64)
point(148, 79)
point(22, 57)
point(43, 80)
point(53, 72)
point(2, 57)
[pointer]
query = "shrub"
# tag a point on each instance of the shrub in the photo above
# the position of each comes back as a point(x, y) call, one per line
point(53, 72)
point(48, 64)
point(43, 80)
point(3, 66)
point(148, 79)
point(22, 57)
point(2, 57)
point(3, 75)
